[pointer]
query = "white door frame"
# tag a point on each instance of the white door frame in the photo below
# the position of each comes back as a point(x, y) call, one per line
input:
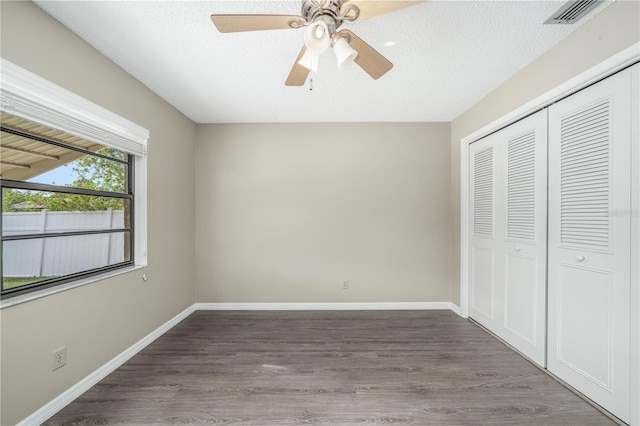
point(615, 63)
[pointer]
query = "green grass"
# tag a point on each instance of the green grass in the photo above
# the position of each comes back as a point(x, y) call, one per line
point(11, 282)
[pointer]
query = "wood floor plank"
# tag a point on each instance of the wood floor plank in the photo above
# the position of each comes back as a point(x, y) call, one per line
point(328, 367)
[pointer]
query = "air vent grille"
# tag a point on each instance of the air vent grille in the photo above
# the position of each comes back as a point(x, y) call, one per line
point(572, 11)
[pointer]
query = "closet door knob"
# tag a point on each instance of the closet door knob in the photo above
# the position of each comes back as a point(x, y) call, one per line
point(518, 249)
point(581, 258)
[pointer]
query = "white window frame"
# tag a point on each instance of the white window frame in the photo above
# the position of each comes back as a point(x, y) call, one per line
point(29, 96)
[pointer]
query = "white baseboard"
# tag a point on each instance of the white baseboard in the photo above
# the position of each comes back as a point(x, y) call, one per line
point(456, 309)
point(65, 398)
point(338, 306)
point(62, 400)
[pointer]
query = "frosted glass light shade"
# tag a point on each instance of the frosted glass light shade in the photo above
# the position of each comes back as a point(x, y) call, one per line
point(316, 37)
point(310, 60)
point(344, 53)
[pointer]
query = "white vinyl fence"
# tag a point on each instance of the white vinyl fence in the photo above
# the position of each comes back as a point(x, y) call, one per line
point(56, 256)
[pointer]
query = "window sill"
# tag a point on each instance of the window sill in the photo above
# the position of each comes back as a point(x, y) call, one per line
point(23, 298)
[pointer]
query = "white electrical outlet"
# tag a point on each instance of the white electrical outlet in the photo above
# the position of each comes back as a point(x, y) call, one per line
point(345, 285)
point(59, 358)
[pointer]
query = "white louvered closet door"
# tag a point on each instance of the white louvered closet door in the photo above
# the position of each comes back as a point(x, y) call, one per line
point(483, 244)
point(508, 249)
point(589, 241)
point(524, 243)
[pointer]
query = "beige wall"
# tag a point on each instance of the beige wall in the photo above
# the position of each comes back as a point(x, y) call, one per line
point(286, 212)
point(609, 32)
point(98, 321)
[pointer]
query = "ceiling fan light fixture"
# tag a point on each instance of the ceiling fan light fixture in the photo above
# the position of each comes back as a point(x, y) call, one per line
point(310, 61)
point(316, 37)
point(343, 52)
point(319, 32)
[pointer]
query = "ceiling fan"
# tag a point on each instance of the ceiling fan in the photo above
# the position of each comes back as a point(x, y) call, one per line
point(322, 18)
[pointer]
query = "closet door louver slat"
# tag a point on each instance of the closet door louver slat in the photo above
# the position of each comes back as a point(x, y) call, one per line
point(521, 176)
point(584, 177)
point(483, 193)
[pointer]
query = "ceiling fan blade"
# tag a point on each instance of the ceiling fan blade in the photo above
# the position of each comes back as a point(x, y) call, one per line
point(368, 58)
point(237, 23)
point(371, 8)
point(298, 74)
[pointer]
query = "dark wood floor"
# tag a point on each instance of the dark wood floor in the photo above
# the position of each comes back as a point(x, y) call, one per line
point(329, 367)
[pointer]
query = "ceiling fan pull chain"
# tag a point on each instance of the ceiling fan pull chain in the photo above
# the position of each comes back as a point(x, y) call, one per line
point(311, 83)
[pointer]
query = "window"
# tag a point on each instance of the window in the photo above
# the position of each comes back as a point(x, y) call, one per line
point(73, 188)
point(67, 206)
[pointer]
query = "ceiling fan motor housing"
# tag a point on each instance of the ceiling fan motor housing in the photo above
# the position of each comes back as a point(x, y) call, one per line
point(330, 12)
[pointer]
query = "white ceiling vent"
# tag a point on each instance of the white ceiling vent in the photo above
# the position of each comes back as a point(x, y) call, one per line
point(572, 11)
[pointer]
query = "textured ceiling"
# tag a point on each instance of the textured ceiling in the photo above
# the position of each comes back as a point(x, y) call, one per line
point(447, 55)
